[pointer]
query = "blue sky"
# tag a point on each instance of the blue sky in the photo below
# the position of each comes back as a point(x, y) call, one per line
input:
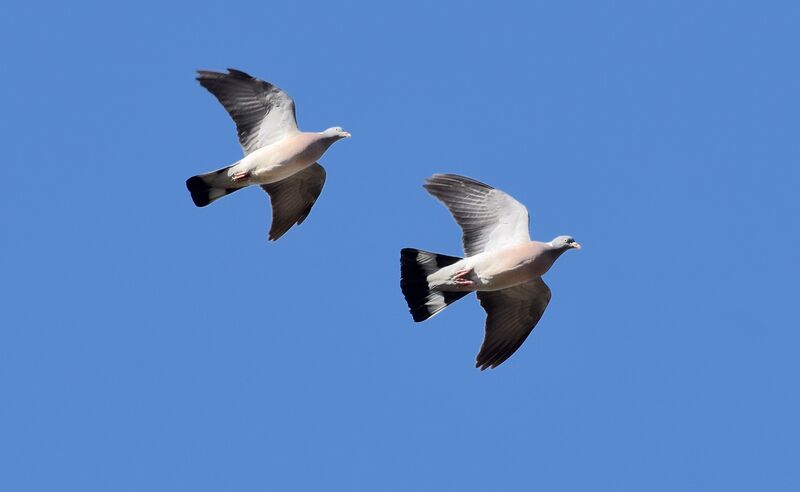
point(150, 345)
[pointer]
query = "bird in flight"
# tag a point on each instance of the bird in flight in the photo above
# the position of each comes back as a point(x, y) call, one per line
point(278, 157)
point(502, 265)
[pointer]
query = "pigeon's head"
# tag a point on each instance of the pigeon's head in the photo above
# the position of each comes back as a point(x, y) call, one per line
point(565, 243)
point(336, 131)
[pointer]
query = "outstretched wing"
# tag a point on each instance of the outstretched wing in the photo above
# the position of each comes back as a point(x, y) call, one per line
point(489, 218)
point(293, 197)
point(511, 316)
point(263, 113)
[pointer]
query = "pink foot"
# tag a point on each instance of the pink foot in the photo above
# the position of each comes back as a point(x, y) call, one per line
point(240, 176)
point(461, 281)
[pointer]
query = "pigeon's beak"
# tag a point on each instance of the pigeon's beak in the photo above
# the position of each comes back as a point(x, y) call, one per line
point(346, 135)
point(576, 245)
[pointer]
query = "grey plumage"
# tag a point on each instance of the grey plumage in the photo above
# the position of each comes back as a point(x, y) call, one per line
point(511, 315)
point(263, 113)
point(293, 197)
point(486, 215)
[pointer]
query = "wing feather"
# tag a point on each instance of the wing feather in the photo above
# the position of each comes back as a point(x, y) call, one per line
point(263, 113)
point(511, 315)
point(489, 218)
point(293, 197)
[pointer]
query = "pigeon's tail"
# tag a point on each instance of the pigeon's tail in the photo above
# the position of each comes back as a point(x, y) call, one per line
point(205, 188)
point(423, 301)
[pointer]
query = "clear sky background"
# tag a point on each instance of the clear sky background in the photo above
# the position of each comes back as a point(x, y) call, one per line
point(150, 345)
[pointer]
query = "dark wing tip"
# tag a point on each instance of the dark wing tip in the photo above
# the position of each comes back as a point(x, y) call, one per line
point(305, 213)
point(208, 74)
point(444, 179)
point(484, 361)
point(282, 225)
point(491, 361)
point(240, 74)
point(232, 73)
point(277, 230)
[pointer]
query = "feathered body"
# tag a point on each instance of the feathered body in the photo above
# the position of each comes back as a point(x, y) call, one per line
point(278, 157)
point(502, 265)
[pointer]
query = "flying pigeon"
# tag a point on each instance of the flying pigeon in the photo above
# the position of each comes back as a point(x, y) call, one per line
point(502, 265)
point(278, 157)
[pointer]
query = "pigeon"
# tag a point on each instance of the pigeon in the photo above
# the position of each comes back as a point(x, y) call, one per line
point(278, 157)
point(502, 265)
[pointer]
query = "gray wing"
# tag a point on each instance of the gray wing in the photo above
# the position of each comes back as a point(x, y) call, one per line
point(262, 112)
point(489, 218)
point(511, 316)
point(293, 197)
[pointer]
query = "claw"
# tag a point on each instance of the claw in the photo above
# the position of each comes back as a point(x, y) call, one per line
point(459, 279)
point(240, 176)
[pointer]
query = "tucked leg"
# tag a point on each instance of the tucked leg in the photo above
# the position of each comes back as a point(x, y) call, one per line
point(240, 176)
point(461, 280)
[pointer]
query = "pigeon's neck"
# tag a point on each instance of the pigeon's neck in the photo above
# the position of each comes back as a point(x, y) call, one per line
point(555, 252)
point(326, 141)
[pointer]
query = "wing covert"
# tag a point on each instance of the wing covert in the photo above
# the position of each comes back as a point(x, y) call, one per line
point(489, 218)
point(263, 113)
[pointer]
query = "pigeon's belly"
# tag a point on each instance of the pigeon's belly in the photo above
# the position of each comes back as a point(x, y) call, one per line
point(496, 276)
point(280, 160)
point(496, 270)
point(269, 167)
